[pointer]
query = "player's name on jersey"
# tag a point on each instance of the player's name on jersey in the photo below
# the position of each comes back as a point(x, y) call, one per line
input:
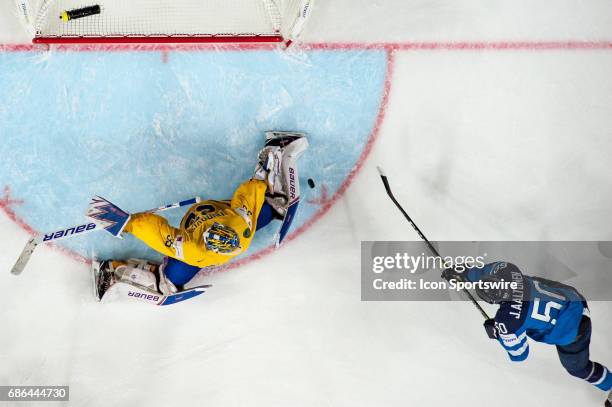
point(422, 284)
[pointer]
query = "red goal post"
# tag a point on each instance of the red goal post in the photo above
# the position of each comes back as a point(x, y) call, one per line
point(165, 21)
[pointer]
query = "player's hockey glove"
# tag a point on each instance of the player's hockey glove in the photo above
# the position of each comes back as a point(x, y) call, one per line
point(489, 326)
point(452, 274)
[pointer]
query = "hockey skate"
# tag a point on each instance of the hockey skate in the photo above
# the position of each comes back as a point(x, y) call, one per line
point(282, 138)
point(103, 277)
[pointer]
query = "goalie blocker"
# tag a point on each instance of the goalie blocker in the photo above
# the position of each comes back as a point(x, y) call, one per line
point(285, 195)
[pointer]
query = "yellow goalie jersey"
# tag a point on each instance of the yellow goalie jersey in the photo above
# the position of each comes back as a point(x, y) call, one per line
point(211, 232)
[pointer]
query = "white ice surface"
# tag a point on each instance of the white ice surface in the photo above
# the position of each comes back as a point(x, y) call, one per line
point(478, 145)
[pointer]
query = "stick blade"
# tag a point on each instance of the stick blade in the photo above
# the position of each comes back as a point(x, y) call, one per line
point(24, 257)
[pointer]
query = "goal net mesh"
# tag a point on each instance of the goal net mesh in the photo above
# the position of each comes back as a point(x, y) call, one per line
point(167, 18)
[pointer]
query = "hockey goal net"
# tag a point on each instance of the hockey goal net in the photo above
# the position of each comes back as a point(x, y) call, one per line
point(164, 21)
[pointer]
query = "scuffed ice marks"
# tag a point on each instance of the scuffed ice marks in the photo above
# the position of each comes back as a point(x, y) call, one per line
point(275, 105)
point(142, 130)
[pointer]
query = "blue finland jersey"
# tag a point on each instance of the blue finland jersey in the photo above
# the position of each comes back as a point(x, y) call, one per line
point(543, 310)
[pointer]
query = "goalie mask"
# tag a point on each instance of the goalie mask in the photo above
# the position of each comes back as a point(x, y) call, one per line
point(221, 239)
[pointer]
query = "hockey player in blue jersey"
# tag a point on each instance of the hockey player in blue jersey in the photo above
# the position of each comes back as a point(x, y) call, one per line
point(543, 310)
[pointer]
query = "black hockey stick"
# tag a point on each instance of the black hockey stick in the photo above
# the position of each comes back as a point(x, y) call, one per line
point(416, 228)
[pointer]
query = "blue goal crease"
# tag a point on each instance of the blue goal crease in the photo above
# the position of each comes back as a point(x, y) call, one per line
point(143, 132)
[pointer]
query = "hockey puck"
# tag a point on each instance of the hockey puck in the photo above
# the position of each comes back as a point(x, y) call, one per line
point(311, 183)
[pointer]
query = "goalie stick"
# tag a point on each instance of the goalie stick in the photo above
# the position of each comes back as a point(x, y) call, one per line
point(431, 247)
point(76, 230)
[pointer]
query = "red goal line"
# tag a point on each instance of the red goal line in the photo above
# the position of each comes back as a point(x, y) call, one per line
point(469, 45)
point(568, 45)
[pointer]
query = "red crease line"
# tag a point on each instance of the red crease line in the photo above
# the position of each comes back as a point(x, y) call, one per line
point(4, 206)
point(347, 182)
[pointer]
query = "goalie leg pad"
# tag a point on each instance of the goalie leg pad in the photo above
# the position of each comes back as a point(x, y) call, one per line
point(292, 148)
point(136, 272)
point(290, 179)
point(278, 167)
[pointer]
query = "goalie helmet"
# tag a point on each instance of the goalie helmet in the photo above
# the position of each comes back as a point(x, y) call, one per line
point(221, 239)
